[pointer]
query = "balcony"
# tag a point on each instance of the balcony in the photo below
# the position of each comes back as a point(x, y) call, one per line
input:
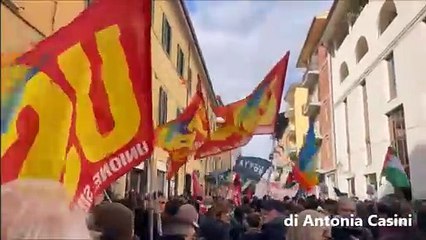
point(313, 62)
point(310, 79)
point(311, 109)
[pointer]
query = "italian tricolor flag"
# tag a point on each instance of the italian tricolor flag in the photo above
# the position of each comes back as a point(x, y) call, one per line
point(393, 170)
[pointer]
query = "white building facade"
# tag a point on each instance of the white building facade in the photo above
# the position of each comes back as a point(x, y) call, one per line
point(378, 71)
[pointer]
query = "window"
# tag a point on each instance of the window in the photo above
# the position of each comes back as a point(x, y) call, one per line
point(166, 36)
point(348, 141)
point(134, 180)
point(189, 87)
point(344, 71)
point(398, 136)
point(366, 122)
point(180, 62)
point(161, 180)
point(371, 179)
point(361, 48)
point(391, 74)
point(162, 107)
point(351, 186)
point(387, 15)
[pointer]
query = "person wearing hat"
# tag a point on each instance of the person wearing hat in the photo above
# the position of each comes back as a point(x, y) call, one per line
point(182, 225)
point(112, 221)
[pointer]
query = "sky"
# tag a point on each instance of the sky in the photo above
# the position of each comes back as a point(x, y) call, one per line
point(242, 40)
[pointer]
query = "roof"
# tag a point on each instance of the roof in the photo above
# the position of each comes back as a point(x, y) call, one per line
point(331, 18)
point(312, 39)
point(200, 54)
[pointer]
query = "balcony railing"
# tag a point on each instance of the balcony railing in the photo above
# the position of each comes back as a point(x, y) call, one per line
point(311, 109)
point(310, 78)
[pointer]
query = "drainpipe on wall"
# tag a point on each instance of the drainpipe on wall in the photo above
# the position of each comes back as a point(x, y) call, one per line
point(187, 70)
point(187, 97)
point(55, 10)
point(333, 135)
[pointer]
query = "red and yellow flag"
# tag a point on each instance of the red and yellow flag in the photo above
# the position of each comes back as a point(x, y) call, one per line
point(84, 114)
point(182, 136)
point(256, 114)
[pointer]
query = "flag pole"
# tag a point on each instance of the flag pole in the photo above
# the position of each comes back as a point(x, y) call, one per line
point(150, 194)
point(107, 196)
point(271, 158)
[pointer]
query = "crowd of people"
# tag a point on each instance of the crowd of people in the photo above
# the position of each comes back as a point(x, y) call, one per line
point(40, 210)
point(216, 218)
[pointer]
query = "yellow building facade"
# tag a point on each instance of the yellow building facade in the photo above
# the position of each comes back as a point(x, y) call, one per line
point(298, 122)
point(177, 62)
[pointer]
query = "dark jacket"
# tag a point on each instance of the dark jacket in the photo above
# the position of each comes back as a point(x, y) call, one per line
point(396, 233)
point(274, 229)
point(142, 224)
point(348, 233)
point(212, 229)
point(172, 238)
point(252, 234)
point(237, 229)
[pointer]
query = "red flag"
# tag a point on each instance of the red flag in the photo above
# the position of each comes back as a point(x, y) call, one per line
point(237, 190)
point(182, 136)
point(196, 187)
point(86, 109)
point(256, 114)
point(304, 183)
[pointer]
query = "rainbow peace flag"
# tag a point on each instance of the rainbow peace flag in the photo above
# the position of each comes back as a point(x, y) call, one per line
point(256, 114)
point(305, 173)
point(13, 79)
point(182, 136)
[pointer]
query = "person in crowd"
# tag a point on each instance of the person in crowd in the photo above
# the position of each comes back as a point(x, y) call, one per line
point(311, 203)
point(254, 222)
point(364, 210)
point(142, 216)
point(294, 208)
point(330, 206)
point(113, 221)
point(141, 221)
point(346, 208)
point(182, 225)
point(253, 202)
point(237, 224)
point(246, 208)
point(273, 217)
point(388, 207)
point(216, 225)
point(301, 232)
point(421, 223)
point(256, 204)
